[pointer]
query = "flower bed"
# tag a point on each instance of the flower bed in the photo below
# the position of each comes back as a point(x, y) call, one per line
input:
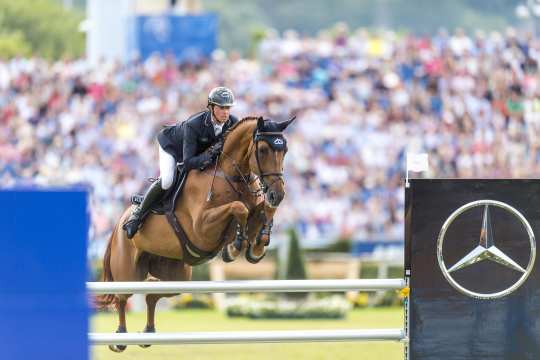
point(332, 307)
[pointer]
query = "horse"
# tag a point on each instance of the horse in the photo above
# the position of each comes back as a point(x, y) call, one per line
point(227, 207)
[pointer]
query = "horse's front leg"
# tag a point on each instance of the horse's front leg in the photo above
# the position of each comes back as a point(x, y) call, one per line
point(259, 227)
point(210, 225)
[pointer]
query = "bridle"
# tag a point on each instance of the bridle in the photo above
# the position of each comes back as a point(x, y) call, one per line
point(265, 136)
point(279, 141)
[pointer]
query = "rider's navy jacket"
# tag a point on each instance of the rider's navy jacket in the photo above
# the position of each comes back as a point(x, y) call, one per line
point(188, 139)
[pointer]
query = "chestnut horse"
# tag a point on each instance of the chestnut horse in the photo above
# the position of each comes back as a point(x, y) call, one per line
point(226, 207)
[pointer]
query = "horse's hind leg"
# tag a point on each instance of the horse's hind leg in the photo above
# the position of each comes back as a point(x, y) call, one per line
point(166, 270)
point(122, 328)
point(151, 301)
point(123, 267)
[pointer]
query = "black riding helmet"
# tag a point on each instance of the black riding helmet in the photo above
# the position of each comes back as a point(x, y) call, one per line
point(221, 96)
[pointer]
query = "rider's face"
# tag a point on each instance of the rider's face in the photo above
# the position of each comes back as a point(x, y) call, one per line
point(221, 113)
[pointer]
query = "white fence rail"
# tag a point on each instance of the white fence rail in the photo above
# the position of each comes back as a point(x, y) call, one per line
point(173, 287)
point(247, 336)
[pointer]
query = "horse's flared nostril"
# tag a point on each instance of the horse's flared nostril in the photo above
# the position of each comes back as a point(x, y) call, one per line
point(272, 197)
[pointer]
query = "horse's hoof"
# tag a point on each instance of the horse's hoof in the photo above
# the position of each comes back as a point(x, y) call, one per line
point(117, 348)
point(263, 239)
point(148, 330)
point(225, 255)
point(251, 258)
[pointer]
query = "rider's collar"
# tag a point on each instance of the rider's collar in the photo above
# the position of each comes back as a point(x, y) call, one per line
point(208, 118)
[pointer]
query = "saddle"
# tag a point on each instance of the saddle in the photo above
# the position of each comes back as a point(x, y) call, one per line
point(168, 201)
point(166, 206)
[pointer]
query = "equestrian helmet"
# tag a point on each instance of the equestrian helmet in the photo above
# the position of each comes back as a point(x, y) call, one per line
point(221, 96)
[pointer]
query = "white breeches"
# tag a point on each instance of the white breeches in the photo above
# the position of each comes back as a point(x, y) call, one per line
point(167, 168)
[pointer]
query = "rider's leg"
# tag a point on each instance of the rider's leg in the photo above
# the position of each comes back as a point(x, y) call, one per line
point(167, 168)
point(154, 192)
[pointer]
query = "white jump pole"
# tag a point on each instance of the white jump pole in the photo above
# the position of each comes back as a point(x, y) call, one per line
point(173, 287)
point(247, 336)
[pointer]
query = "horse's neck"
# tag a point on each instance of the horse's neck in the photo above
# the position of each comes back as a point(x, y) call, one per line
point(236, 149)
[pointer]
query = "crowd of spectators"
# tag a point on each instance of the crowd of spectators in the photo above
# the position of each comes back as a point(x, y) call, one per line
point(472, 101)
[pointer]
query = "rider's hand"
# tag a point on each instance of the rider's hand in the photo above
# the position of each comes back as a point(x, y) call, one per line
point(207, 159)
point(216, 148)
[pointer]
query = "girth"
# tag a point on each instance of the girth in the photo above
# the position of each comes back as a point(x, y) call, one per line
point(192, 255)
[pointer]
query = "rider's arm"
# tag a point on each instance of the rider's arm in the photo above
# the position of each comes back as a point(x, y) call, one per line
point(190, 157)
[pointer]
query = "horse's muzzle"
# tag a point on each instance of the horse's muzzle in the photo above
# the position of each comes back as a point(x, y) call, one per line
point(274, 198)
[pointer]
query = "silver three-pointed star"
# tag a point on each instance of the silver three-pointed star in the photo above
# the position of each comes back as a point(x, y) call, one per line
point(486, 250)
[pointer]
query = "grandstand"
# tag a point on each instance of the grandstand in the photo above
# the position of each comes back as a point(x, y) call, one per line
point(363, 99)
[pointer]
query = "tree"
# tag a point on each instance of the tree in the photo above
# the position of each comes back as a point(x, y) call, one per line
point(13, 44)
point(241, 18)
point(40, 27)
point(295, 265)
point(290, 264)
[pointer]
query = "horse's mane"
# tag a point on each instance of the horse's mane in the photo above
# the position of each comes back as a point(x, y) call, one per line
point(240, 123)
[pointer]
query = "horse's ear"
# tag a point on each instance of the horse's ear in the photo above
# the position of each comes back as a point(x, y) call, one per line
point(260, 123)
point(283, 125)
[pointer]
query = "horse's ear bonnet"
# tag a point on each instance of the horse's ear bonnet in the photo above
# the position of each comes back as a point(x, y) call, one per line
point(272, 132)
point(283, 125)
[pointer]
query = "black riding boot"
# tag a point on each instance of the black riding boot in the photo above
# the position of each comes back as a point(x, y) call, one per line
point(153, 194)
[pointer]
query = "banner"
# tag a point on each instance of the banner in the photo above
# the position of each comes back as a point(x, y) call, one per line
point(188, 38)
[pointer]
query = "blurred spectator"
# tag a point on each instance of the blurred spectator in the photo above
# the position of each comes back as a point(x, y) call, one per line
point(363, 100)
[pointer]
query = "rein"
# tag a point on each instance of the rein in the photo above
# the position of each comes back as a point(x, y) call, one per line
point(248, 179)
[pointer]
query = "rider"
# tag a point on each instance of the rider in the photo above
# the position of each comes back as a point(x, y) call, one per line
point(187, 141)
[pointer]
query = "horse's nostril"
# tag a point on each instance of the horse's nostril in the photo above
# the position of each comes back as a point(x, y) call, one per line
point(272, 197)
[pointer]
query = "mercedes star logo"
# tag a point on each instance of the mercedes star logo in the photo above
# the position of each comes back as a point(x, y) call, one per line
point(486, 249)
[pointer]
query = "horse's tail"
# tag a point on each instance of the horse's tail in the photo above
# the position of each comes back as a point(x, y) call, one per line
point(105, 300)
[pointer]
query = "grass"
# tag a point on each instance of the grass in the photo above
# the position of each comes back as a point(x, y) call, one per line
point(209, 320)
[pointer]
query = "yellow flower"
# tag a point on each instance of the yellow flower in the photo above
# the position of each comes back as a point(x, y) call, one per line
point(403, 293)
